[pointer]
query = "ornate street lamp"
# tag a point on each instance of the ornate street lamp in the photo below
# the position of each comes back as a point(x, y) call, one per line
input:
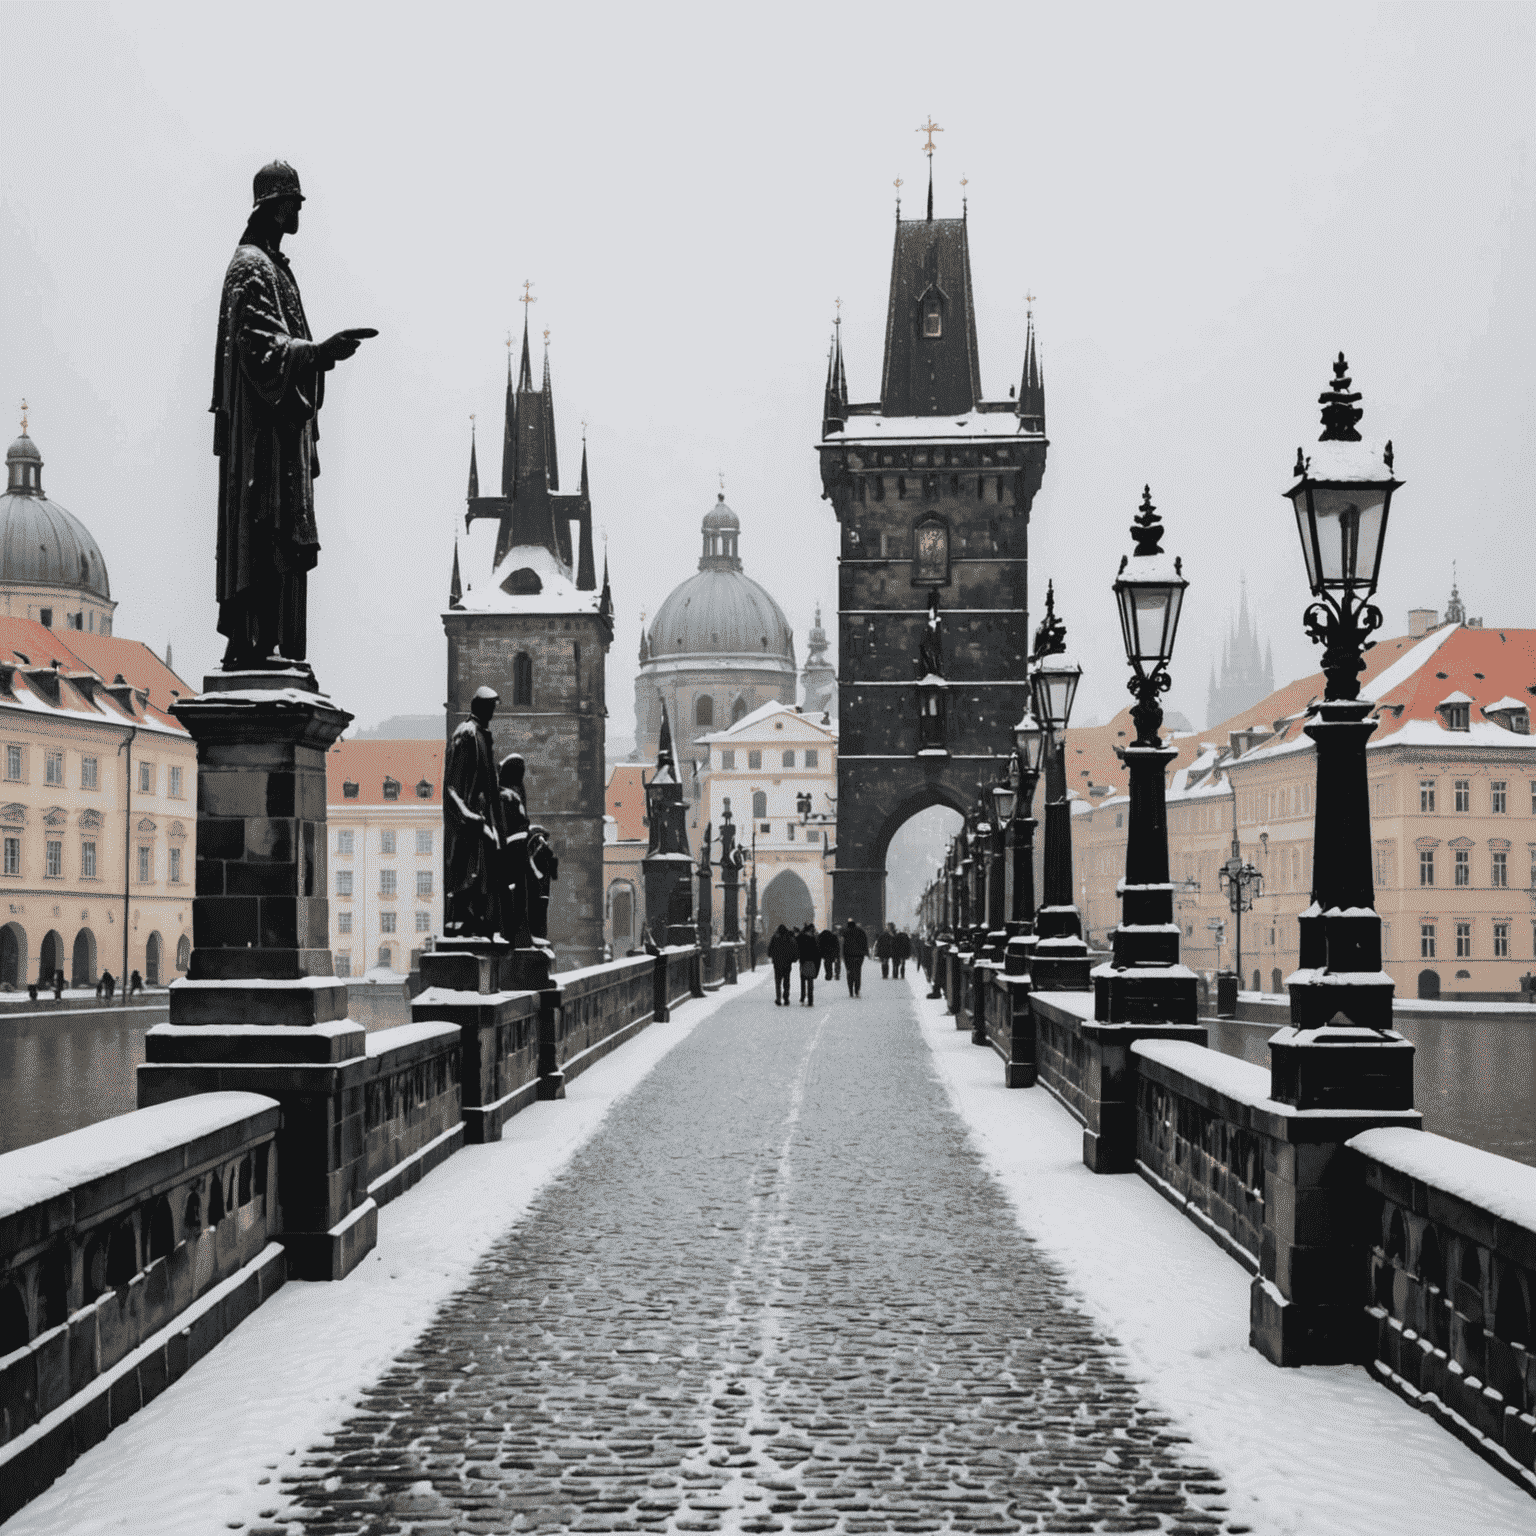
point(1144, 982)
point(1024, 774)
point(1060, 957)
point(1243, 883)
point(1340, 1049)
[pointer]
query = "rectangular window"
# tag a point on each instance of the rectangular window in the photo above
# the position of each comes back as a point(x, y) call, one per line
point(1533, 797)
point(1426, 866)
point(343, 963)
point(1463, 941)
point(386, 842)
point(386, 882)
point(789, 830)
point(53, 768)
point(423, 882)
point(13, 763)
point(1463, 867)
point(754, 761)
point(344, 842)
point(789, 759)
point(728, 762)
point(13, 855)
point(54, 865)
point(146, 778)
point(175, 790)
point(765, 827)
point(1426, 795)
point(386, 922)
point(1500, 871)
point(87, 860)
point(424, 840)
point(146, 865)
point(1500, 792)
point(810, 757)
point(87, 773)
point(173, 873)
point(386, 956)
point(1426, 941)
point(344, 921)
point(1501, 941)
point(423, 921)
point(343, 882)
point(1463, 794)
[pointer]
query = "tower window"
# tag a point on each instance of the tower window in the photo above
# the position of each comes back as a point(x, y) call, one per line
point(933, 315)
point(759, 803)
point(930, 553)
point(522, 680)
point(704, 711)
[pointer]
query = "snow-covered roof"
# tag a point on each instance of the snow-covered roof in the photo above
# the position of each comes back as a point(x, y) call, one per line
point(558, 591)
point(892, 429)
point(751, 724)
point(1456, 696)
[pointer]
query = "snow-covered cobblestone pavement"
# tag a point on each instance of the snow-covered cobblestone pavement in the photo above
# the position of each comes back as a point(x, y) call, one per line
point(776, 1291)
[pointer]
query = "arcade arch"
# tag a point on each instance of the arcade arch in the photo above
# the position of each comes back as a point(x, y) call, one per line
point(153, 952)
point(13, 956)
point(787, 900)
point(50, 958)
point(82, 967)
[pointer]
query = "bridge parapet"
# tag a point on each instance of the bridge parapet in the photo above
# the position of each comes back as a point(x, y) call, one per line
point(127, 1251)
point(1449, 1233)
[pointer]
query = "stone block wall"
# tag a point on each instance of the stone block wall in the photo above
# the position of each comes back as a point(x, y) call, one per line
point(114, 1285)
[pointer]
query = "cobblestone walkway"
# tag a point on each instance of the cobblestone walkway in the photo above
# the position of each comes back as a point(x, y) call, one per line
point(776, 1291)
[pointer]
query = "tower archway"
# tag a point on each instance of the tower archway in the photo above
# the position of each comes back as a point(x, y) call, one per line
point(786, 900)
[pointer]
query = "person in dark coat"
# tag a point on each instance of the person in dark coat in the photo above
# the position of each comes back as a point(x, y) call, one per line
point(855, 948)
point(782, 951)
point(831, 953)
point(135, 983)
point(810, 963)
point(883, 948)
point(903, 952)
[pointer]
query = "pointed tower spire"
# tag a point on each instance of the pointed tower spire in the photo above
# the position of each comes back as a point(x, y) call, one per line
point(1032, 390)
point(605, 605)
point(552, 460)
point(455, 586)
point(586, 575)
point(474, 468)
point(525, 371)
point(509, 432)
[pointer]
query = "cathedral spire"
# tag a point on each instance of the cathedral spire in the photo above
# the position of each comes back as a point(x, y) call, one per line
point(525, 372)
point(834, 415)
point(455, 586)
point(474, 469)
point(605, 606)
point(1032, 389)
point(509, 432)
point(586, 575)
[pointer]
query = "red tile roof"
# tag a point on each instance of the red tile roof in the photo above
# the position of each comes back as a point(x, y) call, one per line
point(626, 801)
point(368, 763)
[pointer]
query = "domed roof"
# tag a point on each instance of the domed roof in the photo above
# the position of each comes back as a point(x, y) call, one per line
point(41, 542)
point(720, 611)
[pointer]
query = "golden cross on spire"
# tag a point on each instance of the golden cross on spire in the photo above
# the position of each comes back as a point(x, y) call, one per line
point(23, 418)
point(509, 343)
point(965, 180)
point(583, 429)
point(1029, 300)
point(837, 319)
point(471, 423)
point(527, 297)
point(897, 185)
point(546, 335)
point(930, 128)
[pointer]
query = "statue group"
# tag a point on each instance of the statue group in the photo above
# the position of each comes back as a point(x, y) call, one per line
point(497, 864)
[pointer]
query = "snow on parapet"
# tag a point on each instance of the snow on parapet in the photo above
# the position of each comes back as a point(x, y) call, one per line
point(1499, 1185)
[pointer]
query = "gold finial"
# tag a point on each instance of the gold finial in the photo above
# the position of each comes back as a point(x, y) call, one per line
point(965, 180)
point(897, 185)
point(23, 418)
point(837, 319)
point(721, 473)
point(583, 429)
point(930, 128)
point(471, 423)
point(527, 296)
point(1029, 300)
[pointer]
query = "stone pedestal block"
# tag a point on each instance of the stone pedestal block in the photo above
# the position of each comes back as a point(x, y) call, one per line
point(1109, 1089)
point(499, 1064)
point(1145, 994)
point(1341, 1068)
point(1013, 1030)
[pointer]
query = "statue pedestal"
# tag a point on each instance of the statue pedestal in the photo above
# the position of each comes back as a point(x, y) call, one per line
point(261, 1008)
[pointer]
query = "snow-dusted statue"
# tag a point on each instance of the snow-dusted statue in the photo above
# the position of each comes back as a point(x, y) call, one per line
point(515, 873)
point(930, 649)
point(472, 833)
point(268, 386)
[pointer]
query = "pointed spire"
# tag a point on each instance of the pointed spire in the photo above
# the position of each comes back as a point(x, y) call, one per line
point(525, 372)
point(664, 770)
point(605, 606)
point(1032, 390)
point(455, 586)
point(586, 575)
point(509, 432)
point(930, 188)
point(552, 460)
point(474, 468)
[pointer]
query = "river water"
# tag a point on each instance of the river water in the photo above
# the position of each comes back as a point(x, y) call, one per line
point(1475, 1076)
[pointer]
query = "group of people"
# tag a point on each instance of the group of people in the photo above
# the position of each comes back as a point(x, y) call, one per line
point(836, 955)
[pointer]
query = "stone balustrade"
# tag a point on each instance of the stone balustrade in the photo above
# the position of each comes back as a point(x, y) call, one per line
point(1448, 1282)
point(127, 1251)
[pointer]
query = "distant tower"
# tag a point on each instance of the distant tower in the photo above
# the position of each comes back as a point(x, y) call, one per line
point(932, 486)
point(819, 678)
point(1246, 677)
point(526, 617)
point(1455, 609)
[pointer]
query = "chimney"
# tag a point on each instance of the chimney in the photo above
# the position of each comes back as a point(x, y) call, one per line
point(1421, 621)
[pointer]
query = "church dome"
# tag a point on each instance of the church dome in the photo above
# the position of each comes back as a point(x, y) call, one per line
point(720, 611)
point(41, 542)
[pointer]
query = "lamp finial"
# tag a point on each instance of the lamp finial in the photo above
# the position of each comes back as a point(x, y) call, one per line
point(1340, 413)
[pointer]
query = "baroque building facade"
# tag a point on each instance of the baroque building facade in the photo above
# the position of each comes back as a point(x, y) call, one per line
point(532, 622)
point(932, 486)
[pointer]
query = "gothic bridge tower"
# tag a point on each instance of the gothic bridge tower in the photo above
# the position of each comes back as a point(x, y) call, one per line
point(932, 486)
point(527, 616)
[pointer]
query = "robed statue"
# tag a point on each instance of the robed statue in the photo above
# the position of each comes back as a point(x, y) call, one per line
point(268, 387)
point(472, 830)
point(515, 873)
point(543, 868)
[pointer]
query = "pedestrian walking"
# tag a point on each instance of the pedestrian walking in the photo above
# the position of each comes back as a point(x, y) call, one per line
point(831, 953)
point(135, 983)
point(109, 984)
point(782, 951)
point(855, 948)
point(903, 951)
point(810, 963)
point(884, 949)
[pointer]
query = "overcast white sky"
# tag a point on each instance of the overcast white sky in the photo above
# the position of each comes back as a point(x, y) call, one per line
point(1209, 202)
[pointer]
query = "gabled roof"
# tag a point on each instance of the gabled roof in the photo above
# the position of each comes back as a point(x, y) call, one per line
point(925, 375)
point(368, 763)
point(752, 725)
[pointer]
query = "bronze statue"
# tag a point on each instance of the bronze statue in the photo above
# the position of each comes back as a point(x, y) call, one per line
point(543, 867)
point(930, 648)
point(515, 873)
point(472, 831)
point(268, 386)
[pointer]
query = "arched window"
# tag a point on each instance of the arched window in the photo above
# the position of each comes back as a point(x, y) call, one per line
point(759, 803)
point(522, 680)
point(704, 711)
point(789, 759)
point(622, 912)
point(930, 553)
point(738, 710)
